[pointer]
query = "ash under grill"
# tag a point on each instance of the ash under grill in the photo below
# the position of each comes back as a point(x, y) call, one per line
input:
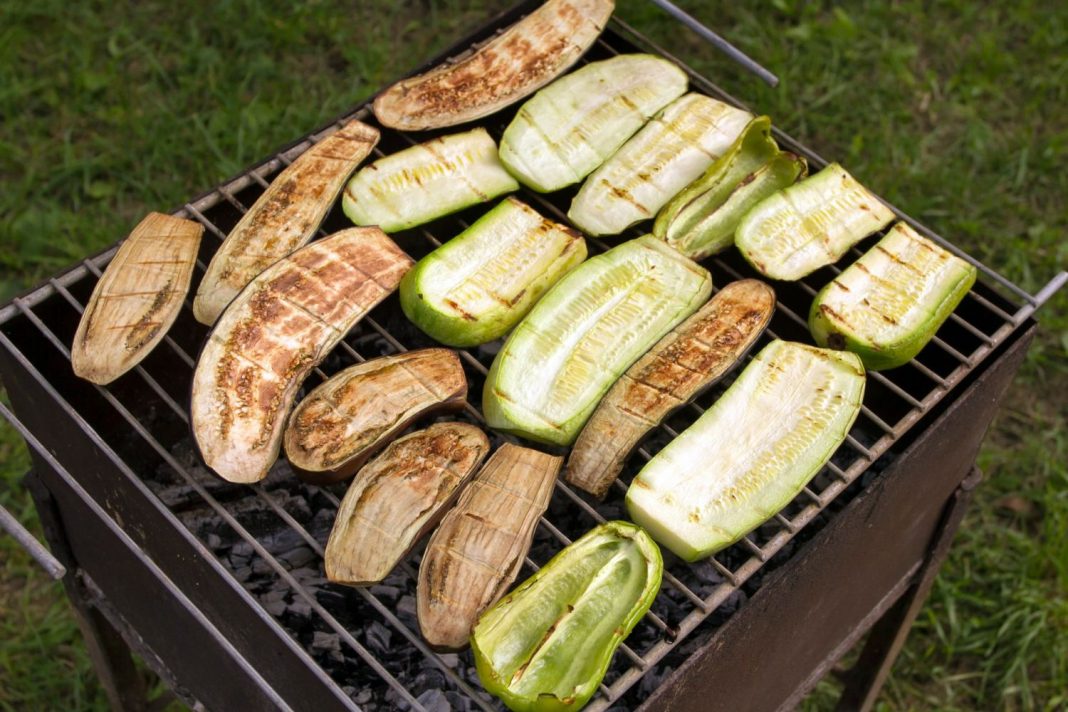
point(269, 537)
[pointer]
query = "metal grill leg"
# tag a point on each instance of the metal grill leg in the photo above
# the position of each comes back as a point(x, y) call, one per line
point(865, 679)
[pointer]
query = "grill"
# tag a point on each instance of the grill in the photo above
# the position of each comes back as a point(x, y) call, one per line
point(219, 585)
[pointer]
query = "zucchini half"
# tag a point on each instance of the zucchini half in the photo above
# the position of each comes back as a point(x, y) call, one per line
point(478, 285)
point(673, 149)
point(750, 453)
point(427, 181)
point(700, 221)
point(598, 320)
point(887, 305)
point(570, 127)
point(810, 224)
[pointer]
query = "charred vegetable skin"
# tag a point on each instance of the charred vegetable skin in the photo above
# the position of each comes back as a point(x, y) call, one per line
point(346, 419)
point(751, 452)
point(691, 357)
point(273, 334)
point(399, 496)
point(887, 305)
point(478, 285)
point(476, 553)
point(137, 298)
point(700, 221)
point(516, 63)
point(284, 218)
point(547, 644)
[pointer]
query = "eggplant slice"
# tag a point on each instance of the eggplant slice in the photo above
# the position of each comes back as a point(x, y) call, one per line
point(284, 218)
point(752, 452)
point(137, 298)
point(695, 354)
point(349, 417)
point(476, 553)
point(512, 65)
point(273, 334)
point(399, 496)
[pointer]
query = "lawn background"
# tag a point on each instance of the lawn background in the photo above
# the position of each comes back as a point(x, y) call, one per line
point(954, 111)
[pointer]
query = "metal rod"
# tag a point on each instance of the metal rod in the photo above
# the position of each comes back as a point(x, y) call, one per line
point(34, 548)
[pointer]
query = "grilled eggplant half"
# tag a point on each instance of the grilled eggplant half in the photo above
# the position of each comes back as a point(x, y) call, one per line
point(572, 126)
point(700, 221)
point(668, 154)
point(557, 364)
point(691, 357)
point(887, 305)
point(284, 218)
point(750, 453)
point(516, 63)
point(426, 181)
point(273, 334)
point(137, 298)
point(398, 497)
point(809, 225)
point(478, 285)
point(349, 417)
point(546, 646)
point(476, 553)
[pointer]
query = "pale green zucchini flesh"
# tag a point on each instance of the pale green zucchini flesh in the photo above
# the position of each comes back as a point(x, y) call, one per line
point(888, 304)
point(478, 285)
point(668, 154)
point(751, 452)
point(547, 645)
point(587, 330)
point(700, 221)
point(810, 224)
point(572, 126)
point(428, 180)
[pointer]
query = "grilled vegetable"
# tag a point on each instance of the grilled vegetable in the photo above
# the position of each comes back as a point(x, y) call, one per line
point(584, 333)
point(512, 65)
point(137, 298)
point(547, 644)
point(700, 221)
point(573, 125)
point(398, 497)
point(888, 304)
point(696, 353)
point(272, 335)
point(673, 149)
point(478, 285)
point(353, 414)
point(476, 553)
point(284, 218)
point(809, 225)
point(426, 181)
point(751, 452)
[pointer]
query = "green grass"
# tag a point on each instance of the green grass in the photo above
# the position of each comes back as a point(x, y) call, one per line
point(954, 113)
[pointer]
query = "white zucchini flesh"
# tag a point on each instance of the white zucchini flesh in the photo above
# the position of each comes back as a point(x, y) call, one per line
point(558, 363)
point(426, 181)
point(669, 153)
point(569, 128)
point(751, 452)
point(810, 224)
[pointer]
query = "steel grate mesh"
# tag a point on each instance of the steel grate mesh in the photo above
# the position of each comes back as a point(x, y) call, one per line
point(143, 420)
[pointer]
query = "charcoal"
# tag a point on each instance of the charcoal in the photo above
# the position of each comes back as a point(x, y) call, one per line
point(242, 574)
point(429, 679)
point(321, 524)
point(386, 594)
point(276, 594)
point(326, 641)
point(363, 697)
point(406, 609)
point(458, 701)
point(275, 608)
point(451, 660)
point(299, 607)
point(434, 701)
point(378, 637)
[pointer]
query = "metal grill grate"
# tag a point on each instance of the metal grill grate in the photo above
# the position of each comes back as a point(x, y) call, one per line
point(142, 420)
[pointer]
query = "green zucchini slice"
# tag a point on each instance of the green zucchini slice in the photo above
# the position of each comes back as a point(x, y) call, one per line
point(428, 180)
point(478, 285)
point(751, 452)
point(598, 320)
point(810, 224)
point(570, 127)
point(547, 645)
point(668, 154)
point(887, 305)
point(700, 221)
